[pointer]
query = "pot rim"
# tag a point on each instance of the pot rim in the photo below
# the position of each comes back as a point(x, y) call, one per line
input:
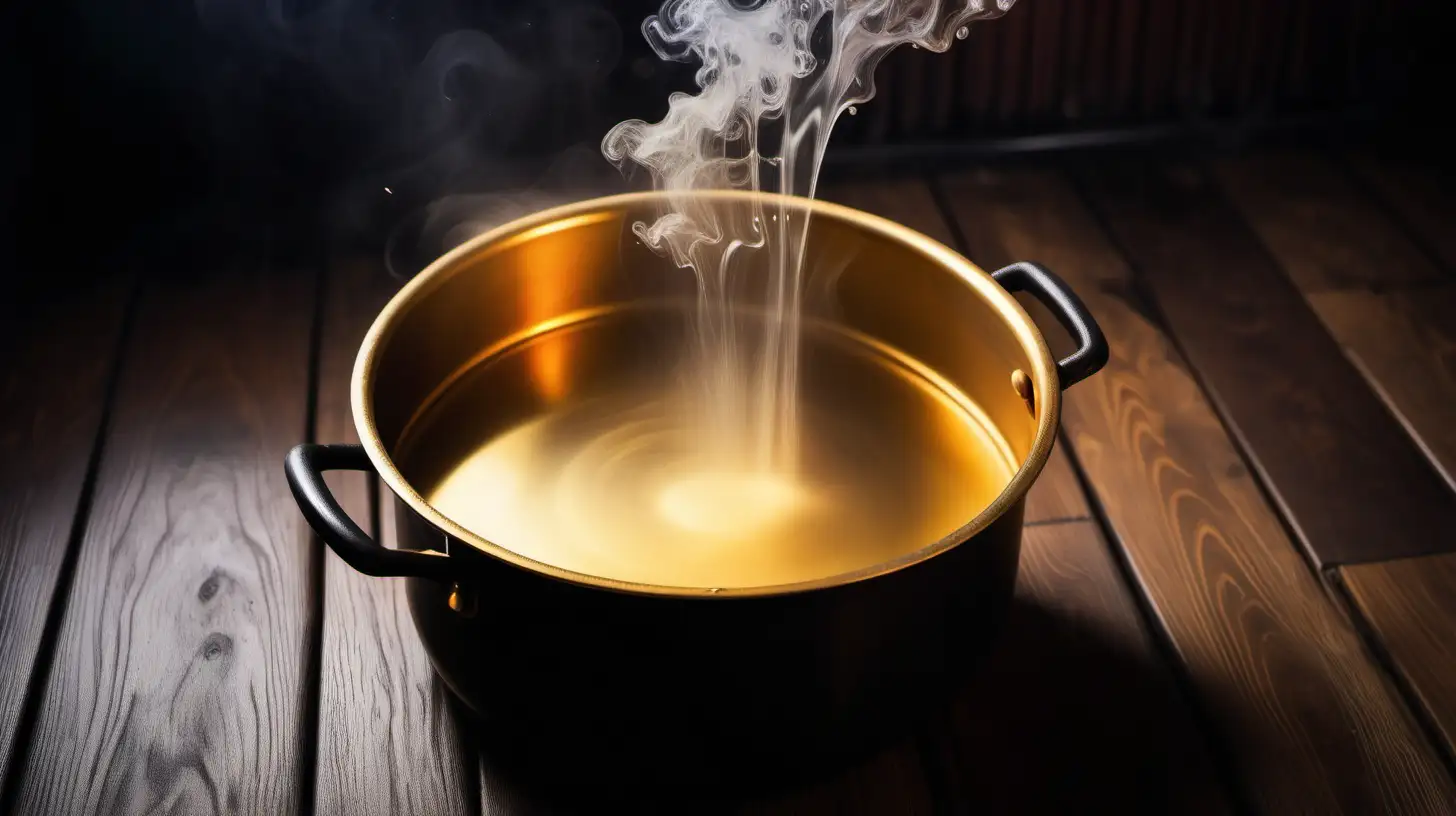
point(1044, 376)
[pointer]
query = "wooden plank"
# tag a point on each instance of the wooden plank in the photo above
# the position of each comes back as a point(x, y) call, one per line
point(1411, 606)
point(1307, 721)
point(61, 354)
point(178, 683)
point(1056, 495)
point(1322, 230)
point(1077, 706)
point(1340, 245)
point(1349, 479)
point(388, 740)
point(1422, 197)
point(1405, 345)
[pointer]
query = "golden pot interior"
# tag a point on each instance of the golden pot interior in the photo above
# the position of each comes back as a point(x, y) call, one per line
point(519, 393)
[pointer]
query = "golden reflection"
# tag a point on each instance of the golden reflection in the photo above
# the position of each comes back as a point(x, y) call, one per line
point(551, 286)
point(611, 481)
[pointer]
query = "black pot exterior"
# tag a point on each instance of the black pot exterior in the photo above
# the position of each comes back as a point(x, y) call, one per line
point(594, 680)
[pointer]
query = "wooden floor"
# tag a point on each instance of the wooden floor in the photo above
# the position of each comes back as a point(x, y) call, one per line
point(1238, 589)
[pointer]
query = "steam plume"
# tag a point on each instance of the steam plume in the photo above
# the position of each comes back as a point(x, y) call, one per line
point(761, 121)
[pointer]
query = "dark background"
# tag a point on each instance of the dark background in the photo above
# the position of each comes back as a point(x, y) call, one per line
point(127, 118)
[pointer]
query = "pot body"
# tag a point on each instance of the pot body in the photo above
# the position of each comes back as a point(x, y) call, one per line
point(622, 679)
point(701, 688)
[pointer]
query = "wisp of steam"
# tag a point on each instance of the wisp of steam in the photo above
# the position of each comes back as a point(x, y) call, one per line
point(775, 75)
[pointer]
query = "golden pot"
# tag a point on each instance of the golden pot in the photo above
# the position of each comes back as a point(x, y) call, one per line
point(929, 404)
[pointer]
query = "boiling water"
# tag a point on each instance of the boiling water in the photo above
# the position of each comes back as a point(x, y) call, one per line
point(607, 478)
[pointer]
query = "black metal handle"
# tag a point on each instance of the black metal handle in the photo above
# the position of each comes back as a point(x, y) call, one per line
point(305, 468)
point(1045, 286)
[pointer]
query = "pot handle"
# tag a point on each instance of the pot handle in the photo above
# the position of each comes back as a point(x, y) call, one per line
point(1045, 286)
point(305, 469)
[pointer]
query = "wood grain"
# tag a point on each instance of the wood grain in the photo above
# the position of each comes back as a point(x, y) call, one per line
point(1030, 739)
point(1411, 606)
point(1305, 719)
point(1322, 230)
point(1056, 495)
point(1405, 345)
point(52, 394)
point(1422, 198)
point(178, 684)
point(1346, 475)
point(388, 739)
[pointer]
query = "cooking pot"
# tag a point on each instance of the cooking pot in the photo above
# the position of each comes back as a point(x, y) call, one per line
point(699, 682)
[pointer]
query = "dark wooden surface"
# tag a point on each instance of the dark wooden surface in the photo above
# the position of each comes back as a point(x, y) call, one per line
point(1277, 671)
point(1324, 232)
point(1354, 486)
point(1422, 200)
point(1171, 648)
point(1404, 342)
point(179, 679)
point(52, 400)
point(1411, 605)
point(1388, 305)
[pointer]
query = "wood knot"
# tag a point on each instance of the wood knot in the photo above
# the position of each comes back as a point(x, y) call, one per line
point(209, 587)
point(216, 645)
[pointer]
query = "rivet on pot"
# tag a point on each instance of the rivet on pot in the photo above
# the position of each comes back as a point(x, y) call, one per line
point(1022, 385)
point(463, 601)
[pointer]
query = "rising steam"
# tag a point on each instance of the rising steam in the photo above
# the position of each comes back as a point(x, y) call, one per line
point(761, 122)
